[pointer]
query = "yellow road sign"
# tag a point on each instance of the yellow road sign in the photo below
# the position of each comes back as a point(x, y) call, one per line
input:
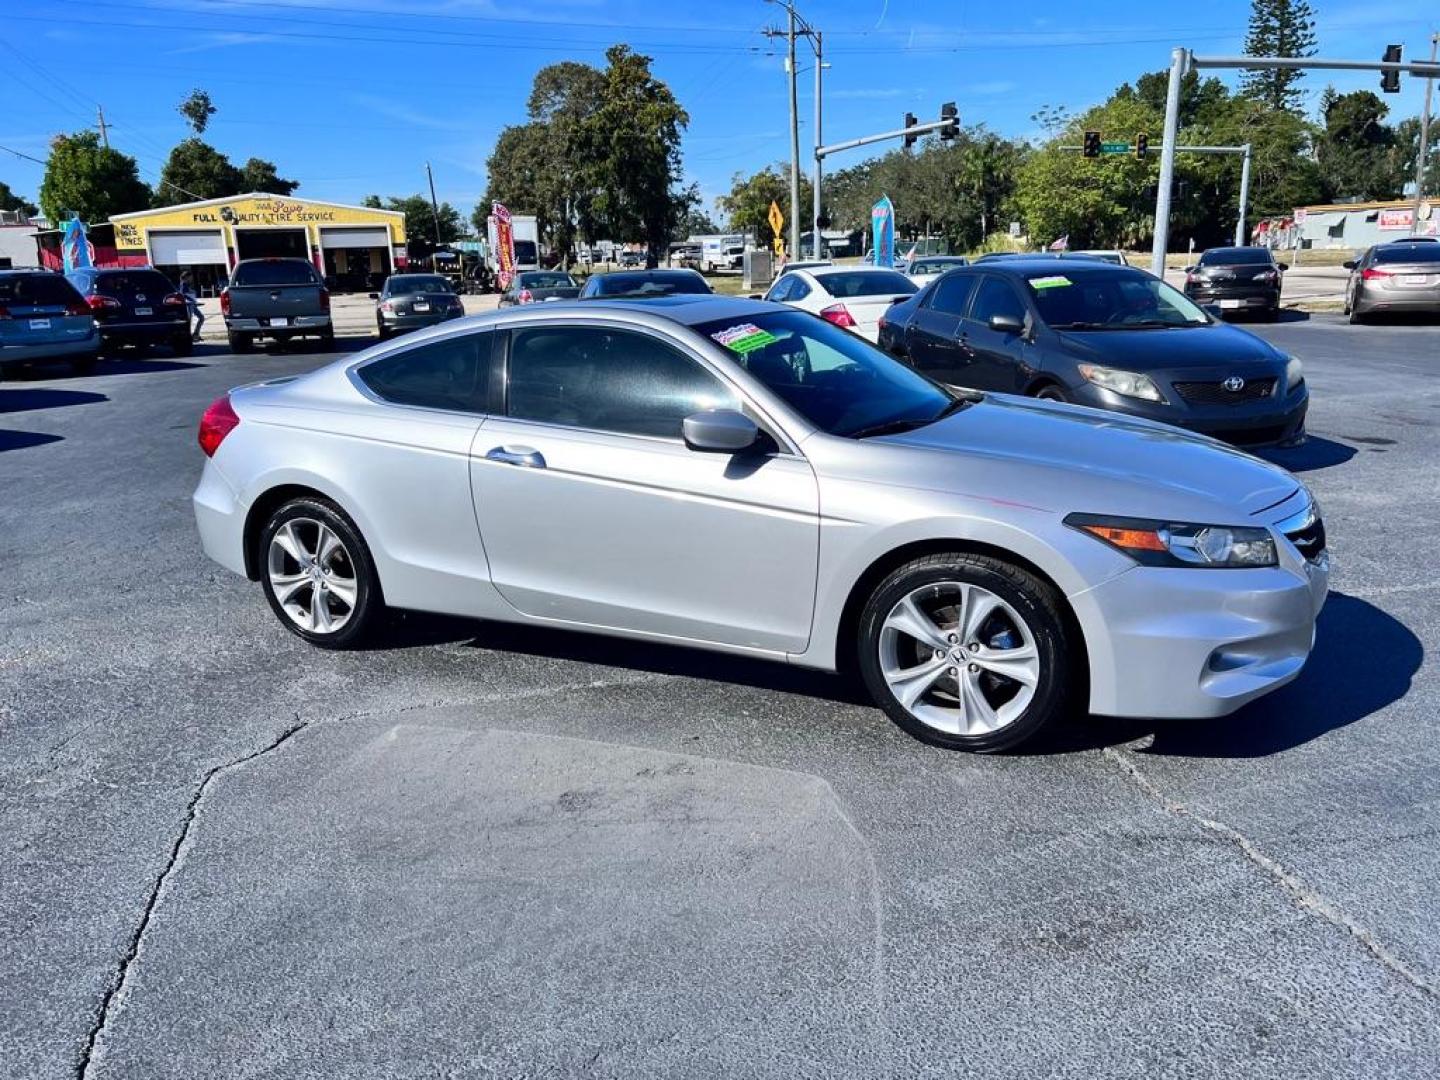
point(777, 219)
point(779, 248)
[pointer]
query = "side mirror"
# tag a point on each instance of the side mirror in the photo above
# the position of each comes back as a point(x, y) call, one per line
point(720, 431)
point(1191, 269)
point(756, 296)
point(1349, 264)
point(1283, 266)
point(1007, 324)
point(374, 296)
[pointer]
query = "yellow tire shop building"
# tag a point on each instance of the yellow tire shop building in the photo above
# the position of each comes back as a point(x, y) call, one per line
point(354, 247)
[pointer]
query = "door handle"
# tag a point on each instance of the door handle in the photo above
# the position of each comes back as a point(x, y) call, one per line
point(523, 456)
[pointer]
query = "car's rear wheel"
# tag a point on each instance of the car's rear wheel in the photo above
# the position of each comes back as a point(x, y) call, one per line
point(182, 344)
point(327, 339)
point(85, 363)
point(380, 330)
point(240, 342)
point(966, 651)
point(1356, 315)
point(318, 575)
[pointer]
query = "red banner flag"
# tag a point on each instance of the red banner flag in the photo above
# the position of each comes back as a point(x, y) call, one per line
point(504, 244)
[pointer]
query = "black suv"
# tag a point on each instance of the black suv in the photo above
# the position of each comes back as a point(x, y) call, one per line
point(1237, 279)
point(136, 305)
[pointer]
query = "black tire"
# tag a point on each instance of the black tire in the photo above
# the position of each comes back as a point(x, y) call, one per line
point(240, 342)
point(1357, 317)
point(381, 332)
point(182, 344)
point(85, 363)
point(327, 339)
point(1052, 392)
point(1032, 599)
point(368, 611)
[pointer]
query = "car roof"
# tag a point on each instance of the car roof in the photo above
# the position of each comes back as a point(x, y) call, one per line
point(687, 309)
point(1234, 247)
point(1025, 265)
point(827, 271)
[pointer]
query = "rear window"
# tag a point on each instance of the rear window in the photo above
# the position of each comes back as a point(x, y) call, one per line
point(867, 283)
point(148, 282)
point(546, 281)
point(38, 289)
point(1408, 253)
point(275, 272)
point(404, 285)
point(1236, 257)
point(651, 283)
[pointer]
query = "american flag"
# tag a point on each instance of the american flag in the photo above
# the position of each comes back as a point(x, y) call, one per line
point(1063, 244)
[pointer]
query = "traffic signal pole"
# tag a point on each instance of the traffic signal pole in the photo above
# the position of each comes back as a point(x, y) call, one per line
point(815, 184)
point(1244, 197)
point(1182, 61)
point(1424, 148)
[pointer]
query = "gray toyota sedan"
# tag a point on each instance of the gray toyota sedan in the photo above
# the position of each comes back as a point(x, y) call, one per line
point(739, 476)
point(412, 301)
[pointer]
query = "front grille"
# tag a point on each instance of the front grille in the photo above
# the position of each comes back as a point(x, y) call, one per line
point(1214, 393)
point(1310, 539)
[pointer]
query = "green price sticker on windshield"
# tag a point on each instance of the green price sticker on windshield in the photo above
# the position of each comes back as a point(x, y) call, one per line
point(1054, 281)
point(747, 337)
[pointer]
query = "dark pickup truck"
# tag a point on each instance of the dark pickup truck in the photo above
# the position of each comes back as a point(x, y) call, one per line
point(275, 298)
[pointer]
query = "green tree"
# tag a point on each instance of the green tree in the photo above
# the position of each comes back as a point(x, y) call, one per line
point(260, 175)
point(1357, 149)
point(699, 223)
point(197, 108)
point(9, 200)
point(373, 202)
point(747, 206)
point(196, 170)
point(420, 222)
point(1278, 28)
point(90, 180)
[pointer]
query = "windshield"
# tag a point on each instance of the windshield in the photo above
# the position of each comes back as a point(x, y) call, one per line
point(148, 283)
point(546, 281)
point(839, 382)
point(1122, 300)
point(648, 283)
point(1236, 257)
point(866, 283)
point(417, 283)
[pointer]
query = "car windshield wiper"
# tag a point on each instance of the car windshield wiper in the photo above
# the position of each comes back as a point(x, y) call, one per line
point(897, 427)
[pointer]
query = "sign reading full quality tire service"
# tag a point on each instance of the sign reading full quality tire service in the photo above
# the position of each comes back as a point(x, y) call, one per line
point(504, 244)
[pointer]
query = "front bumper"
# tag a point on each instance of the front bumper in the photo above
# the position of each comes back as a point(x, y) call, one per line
point(1272, 421)
point(1176, 643)
point(1236, 297)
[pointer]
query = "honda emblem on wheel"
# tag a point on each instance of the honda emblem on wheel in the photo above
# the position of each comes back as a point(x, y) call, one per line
point(1234, 384)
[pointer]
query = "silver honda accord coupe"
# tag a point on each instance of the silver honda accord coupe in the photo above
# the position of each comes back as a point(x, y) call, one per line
point(745, 477)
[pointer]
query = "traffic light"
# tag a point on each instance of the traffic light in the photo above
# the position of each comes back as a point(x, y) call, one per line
point(1142, 145)
point(951, 115)
point(1092, 144)
point(1390, 80)
point(910, 121)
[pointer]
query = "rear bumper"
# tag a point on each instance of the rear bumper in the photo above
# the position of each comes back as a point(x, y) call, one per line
point(56, 350)
point(1427, 300)
point(1178, 643)
point(298, 324)
point(145, 331)
point(416, 322)
point(220, 519)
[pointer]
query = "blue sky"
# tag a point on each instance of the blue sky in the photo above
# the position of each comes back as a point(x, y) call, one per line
point(354, 96)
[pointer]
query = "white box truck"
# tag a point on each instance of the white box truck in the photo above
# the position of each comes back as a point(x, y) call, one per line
point(527, 243)
point(720, 252)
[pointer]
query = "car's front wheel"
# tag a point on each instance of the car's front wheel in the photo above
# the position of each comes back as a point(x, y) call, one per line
point(318, 575)
point(239, 341)
point(966, 651)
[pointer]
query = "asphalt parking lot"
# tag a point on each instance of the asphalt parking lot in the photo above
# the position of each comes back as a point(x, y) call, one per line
point(487, 852)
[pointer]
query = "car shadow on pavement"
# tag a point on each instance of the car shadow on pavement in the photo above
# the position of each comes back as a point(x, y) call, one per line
point(415, 629)
point(17, 401)
point(1363, 660)
point(1316, 452)
point(141, 365)
point(20, 440)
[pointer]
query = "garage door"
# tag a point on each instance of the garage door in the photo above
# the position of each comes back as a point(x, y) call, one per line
point(377, 236)
point(201, 248)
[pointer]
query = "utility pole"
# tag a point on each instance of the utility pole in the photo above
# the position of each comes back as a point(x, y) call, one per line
point(820, 67)
point(104, 127)
point(794, 146)
point(435, 212)
point(1244, 197)
point(1179, 62)
point(1424, 145)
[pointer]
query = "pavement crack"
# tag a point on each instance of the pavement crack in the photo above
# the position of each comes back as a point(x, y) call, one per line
point(119, 982)
point(1304, 896)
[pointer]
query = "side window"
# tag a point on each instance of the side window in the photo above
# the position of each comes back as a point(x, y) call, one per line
point(996, 297)
point(780, 291)
point(799, 290)
point(608, 380)
point(951, 293)
point(449, 374)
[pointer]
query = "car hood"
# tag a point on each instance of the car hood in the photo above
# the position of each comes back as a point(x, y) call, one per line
point(1154, 350)
point(1068, 457)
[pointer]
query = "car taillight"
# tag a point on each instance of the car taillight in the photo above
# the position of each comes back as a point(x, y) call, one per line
point(387, 307)
point(839, 315)
point(99, 303)
point(225, 301)
point(174, 300)
point(525, 297)
point(324, 299)
point(75, 307)
point(1371, 275)
point(5, 312)
point(219, 420)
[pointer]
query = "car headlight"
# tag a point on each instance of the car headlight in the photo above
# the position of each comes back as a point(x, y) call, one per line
point(1294, 373)
point(1166, 543)
point(1127, 383)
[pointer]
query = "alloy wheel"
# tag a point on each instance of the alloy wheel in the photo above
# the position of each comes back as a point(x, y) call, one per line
point(959, 658)
point(312, 575)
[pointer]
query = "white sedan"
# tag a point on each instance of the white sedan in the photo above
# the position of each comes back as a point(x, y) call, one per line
point(850, 296)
